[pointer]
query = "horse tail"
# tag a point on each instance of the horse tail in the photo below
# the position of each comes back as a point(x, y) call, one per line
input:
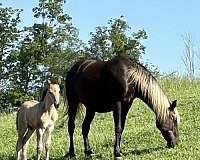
point(69, 87)
point(70, 94)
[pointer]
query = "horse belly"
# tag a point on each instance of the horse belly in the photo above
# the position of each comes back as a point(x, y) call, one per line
point(97, 104)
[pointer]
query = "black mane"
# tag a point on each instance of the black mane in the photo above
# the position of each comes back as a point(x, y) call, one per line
point(44, 94)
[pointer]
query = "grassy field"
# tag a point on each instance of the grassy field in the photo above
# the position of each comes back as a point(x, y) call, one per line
point(141, 139)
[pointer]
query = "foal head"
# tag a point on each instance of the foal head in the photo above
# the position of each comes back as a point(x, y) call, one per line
point(169, 126)
point(54, 93)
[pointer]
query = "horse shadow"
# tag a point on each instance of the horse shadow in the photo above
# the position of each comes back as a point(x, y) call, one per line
point(9, 157)
point(12, 157)
point(143, 151)
point(85, 157)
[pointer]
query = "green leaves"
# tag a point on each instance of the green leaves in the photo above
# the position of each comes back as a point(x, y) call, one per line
point(114, 39)
point(41, 53)
point(9, 34)
point(51, 45)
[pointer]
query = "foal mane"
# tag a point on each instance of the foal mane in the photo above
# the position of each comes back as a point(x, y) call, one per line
point(43, 94)
point(150, 90)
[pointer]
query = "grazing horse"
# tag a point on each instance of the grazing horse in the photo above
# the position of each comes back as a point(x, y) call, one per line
point(104, 86)
point(39, 116)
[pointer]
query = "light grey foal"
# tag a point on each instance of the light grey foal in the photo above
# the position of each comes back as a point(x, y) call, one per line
point(39, 116)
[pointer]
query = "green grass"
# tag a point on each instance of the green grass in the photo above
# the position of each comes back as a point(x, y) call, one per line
point(141, 139)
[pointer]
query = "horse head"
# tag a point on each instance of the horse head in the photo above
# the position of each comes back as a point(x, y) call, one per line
point(169, 126)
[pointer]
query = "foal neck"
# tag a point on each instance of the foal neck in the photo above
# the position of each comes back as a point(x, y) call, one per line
point(48, 102)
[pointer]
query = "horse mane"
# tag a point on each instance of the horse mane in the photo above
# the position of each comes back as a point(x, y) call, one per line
point(150, 90)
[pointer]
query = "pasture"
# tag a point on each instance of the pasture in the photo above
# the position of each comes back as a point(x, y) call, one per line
point(141, 139)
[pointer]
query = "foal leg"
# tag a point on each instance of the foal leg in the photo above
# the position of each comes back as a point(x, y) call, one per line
point(48, 140)
point(118, 130)
point(85, 130)
point(26, 139)
point(19, 145)
point(40, 133)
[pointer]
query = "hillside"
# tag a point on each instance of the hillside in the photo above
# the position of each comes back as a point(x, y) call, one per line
point(141, 139)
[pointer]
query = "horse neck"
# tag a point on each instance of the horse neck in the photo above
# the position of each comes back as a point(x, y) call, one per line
point(150, 92)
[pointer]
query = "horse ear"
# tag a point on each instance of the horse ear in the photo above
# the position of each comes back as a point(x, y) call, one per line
point(173, 105)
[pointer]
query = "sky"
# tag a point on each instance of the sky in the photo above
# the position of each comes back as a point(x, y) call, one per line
point(165, 21)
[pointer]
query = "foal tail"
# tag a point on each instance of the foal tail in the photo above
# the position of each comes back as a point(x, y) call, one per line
point(18, 104)
point(17, 120)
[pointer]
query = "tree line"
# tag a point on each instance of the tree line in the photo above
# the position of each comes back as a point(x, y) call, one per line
point(46, 50)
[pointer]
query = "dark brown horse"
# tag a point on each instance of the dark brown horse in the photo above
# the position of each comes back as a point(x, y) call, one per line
point(112, 86)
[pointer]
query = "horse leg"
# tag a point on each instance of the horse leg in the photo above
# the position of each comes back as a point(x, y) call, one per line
point(85, 130)
point(48, 140)
point(40, 133)
point(124, 111)
point(71, 126)
point(118, 130)
point(25, 142)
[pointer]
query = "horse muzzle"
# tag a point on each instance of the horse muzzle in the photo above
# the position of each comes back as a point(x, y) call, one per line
point(173, 142)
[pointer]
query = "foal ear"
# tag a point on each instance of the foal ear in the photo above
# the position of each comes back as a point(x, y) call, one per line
point(173, 105)
point(48, 82)
point(59, 81)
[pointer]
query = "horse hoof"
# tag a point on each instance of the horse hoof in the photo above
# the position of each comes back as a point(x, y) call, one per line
point(89, 156)
point(89, 152)
point(70, 156)
point(118, 158)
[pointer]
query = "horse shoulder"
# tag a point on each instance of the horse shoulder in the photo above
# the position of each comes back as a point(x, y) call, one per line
point(116, 78)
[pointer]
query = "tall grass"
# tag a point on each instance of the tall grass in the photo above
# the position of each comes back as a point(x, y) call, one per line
point(141, 139)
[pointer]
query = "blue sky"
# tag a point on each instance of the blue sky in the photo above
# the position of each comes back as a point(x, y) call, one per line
point(164, 21)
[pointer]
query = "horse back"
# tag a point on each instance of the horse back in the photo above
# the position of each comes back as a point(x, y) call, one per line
point(97, 83)
point(84, 80)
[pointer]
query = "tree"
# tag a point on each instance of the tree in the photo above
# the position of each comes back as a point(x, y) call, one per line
point(189, 54)
point(61, 35)
point(112, 40)
point(9, 35)
point(47, 46)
